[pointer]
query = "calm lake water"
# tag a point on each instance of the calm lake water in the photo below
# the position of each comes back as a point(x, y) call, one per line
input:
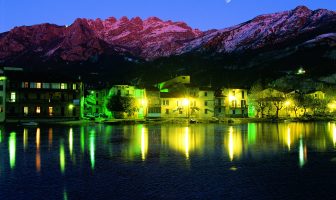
point(249, 161)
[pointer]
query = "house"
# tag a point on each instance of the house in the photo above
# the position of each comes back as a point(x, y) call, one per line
point(153, 102)
point(231, 102)
point(95, 103)
point(41, 97)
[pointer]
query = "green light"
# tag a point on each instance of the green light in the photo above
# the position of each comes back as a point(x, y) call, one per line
point(62, 157)
point(12, 149)
point(65, 195)
point(2, 78)
point(302, 154)
point(0, 137)
point(92, 148)
point(70, 141)
point(82, 140)
point(252, 133)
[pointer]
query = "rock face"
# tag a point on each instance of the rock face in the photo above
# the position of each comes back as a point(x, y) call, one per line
point(153, 38)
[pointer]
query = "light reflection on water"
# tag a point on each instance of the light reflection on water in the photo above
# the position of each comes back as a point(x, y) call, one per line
point(65, 150)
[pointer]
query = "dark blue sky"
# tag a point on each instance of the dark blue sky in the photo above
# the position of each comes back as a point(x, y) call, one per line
point(202, 14)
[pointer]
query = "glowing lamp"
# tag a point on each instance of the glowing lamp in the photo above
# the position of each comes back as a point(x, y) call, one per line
point(185, 102)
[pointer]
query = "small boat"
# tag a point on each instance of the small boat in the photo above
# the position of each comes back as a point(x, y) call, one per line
point(28, 124)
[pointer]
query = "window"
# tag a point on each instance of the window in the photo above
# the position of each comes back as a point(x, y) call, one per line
point(74, 86)
point(50, 111)
point(38, 85)
point(167, 111)
point(25, 110)
point(1, 100)
point(205, 103)
point(1, 109)
point(45, 85)
point(1, 87)
point(38, 110)
point(243, 94)
point(180, 112)
point(64, 86)
point(234, 103)
point(219, 110)
point(205, 94)
point(206, 111)
point(25, 85)
point(165, 102)
point(177, 103)
point(243, 103)
point(55, 86)
point(12, 97)
point(233, 93)
point(32, 85)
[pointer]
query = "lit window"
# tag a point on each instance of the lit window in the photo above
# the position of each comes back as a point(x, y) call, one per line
point(38, 85)
point(55, 86)
point(50, 111)
point(25, 85)
point(25, 110)
point(12, 97)
point(63, 86)
point(38, 110)
point(45, 85)
point(74, 86)
point(32, 85)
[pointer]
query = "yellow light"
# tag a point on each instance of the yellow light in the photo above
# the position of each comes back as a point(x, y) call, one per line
point(144, 143)
point(144, 102)
point(71, 106)
point(2, 78)
point(231, 98)
point(287, 103)
point(25, 138)
point(186, 142)
point(38, 133)
point(289, 139)
point(334, 135)
point(231, 145)
point(234, 144)
point(185, 102)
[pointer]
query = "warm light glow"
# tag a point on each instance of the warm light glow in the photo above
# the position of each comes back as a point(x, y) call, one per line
point(289, 139)
point(25, 138)
point(71, 106)
point(50, 137)
point(38, 133)
point(12, 149)
point(186, 142)
point(62, 157)
point(232, 98)
point(144, 102)
point(70, 141)
point(144, 143)
point(185, 102)
point(287, 103)
point(38, 109)
point(234, 144)
point(334, 135)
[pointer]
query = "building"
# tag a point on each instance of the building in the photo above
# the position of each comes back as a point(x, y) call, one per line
point(153, 103)
point(95, 103)
point(42, 97)
point(231, 102)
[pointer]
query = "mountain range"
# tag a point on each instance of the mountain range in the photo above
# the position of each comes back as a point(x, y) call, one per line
point(115, 50)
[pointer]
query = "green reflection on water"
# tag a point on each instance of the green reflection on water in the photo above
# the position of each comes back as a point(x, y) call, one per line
point(62, 156)
point(302, 154)
point(92, 148)
point(252, 133)
point(12, 149)
point(82, 140)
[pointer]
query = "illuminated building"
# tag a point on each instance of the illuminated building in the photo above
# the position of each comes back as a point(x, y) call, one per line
point(231, 103)
point(41, 97)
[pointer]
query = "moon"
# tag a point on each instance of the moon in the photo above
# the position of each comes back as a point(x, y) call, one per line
point(228, 1)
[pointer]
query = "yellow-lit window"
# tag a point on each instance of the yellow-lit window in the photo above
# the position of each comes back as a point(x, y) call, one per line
point(25, 110)
point(25, 84)
point(12, 97)
point(38, 110)
point(38, 85)
point(50, 111)
point(74, 86)
point(63, 86)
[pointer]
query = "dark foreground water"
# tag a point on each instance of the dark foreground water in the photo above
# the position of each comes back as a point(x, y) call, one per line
point(251, 161)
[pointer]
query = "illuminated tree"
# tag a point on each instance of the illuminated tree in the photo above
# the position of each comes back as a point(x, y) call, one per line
point(119, 104)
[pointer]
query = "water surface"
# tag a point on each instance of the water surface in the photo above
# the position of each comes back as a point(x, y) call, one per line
point(213, 161)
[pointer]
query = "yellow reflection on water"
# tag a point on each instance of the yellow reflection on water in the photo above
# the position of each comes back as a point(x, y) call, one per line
point(234, 143)
point(186, 142)
point(12, 149)
point(288, 138)
point(144, 143)
point(50, 138)
point(25, 138)
point(38, 155)
point(92, 148)
point(70, 141)
point(62, 156)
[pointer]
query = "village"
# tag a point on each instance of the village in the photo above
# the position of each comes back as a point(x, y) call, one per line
point(23, 98)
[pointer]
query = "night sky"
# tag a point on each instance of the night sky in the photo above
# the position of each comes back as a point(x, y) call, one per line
point(202, 14)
